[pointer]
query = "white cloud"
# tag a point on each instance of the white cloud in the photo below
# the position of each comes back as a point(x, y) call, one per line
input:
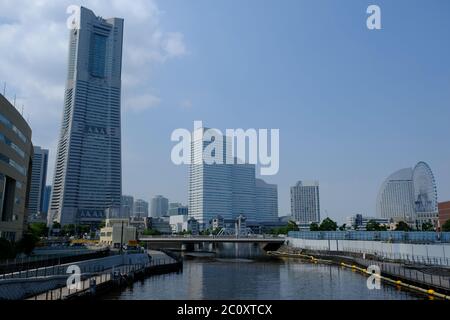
point(142, 102)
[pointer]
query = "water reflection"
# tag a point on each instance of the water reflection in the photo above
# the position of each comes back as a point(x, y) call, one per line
point(245, 272)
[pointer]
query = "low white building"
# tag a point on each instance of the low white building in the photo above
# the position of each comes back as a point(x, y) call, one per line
point(117, 231)
point(183, 223)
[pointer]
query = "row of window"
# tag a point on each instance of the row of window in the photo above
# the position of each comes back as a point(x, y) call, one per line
point(13, 146)
point(10, 125)
point(13, 164)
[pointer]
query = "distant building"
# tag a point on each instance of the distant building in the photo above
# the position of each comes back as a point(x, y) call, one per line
point(228, 188)
point(161, 224)
point(266, 201)
point(444, 212)
point(46, 201)
point(217, 223)
point(38, 181)
point(116, 232)
point(159, 206)
point(182, 223)
point(305, 202)
point(176, 209)
point(140, 208)
point(193, 226)
point(141, 224)
point(16, 153)
point(410, 195)
point(127, 206)
point(359, 222)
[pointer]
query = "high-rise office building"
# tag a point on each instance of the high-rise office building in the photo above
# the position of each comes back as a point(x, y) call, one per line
point(266, 201)
point(210, 187)
point(46, 201)
point(409, 194)
point(140, 208)
point(243, 191)
point(159, 207)
point(87, 178)
point(38, 181)
point(305, 202)
point(16, 152)
point(224, 189)
point(127, 206)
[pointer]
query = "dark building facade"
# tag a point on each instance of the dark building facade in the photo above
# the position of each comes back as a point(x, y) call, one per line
point(16, 152)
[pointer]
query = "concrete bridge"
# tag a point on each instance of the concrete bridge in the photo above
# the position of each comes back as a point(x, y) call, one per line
point(267, 242)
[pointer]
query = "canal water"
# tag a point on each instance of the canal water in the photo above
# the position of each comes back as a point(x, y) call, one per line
point(244, 272)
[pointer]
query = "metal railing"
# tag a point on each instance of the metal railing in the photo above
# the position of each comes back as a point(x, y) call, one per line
point(390, 236)
point(91, 280)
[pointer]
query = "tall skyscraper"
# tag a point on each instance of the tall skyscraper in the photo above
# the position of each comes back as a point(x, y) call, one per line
point(38, 181)
point(305, 202)
point(159, 207)
point(266, 201)
point(410, 195)
point(210, 187)
point(127, 206)
point(16, 152)
point(225, 190)
point(87, 178)
point(140, 208)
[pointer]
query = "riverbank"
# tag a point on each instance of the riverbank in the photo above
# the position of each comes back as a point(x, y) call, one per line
point(433, 285)
point(120, 272)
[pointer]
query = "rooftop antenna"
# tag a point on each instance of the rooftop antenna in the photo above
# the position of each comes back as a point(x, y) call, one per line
point(22, 110)
point(14, 100)
point(4, 89)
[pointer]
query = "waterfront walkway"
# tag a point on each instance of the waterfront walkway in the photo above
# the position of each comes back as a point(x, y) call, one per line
point(90, 282)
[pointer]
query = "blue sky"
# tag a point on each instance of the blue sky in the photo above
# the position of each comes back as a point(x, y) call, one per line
point(352, 105)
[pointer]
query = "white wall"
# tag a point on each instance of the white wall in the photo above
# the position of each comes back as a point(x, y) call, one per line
point(439, 253)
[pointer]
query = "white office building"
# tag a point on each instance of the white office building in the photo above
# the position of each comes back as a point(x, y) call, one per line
point(305, 202)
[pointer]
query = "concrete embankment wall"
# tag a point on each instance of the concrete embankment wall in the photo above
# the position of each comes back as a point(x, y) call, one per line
point(20, 288)
point(438, 253)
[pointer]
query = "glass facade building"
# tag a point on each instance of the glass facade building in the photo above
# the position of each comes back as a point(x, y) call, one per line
point(87, 180)
point(38, 181)
point(227, 189)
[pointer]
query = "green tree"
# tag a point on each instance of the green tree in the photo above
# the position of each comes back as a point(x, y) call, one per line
point(151, 232)
point(6, 249)
point(427, 226)
point(314, 227)
point(446, 226)
point(102, 224)
point(27, 243)
point(328, 225)
point(292, 226)
point(402, 226)
point(373, 225)
point(343, 227)
point(56, 225)
point(68, 230)
point(39, 229)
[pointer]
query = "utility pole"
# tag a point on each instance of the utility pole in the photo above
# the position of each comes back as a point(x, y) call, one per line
point(121, 239)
